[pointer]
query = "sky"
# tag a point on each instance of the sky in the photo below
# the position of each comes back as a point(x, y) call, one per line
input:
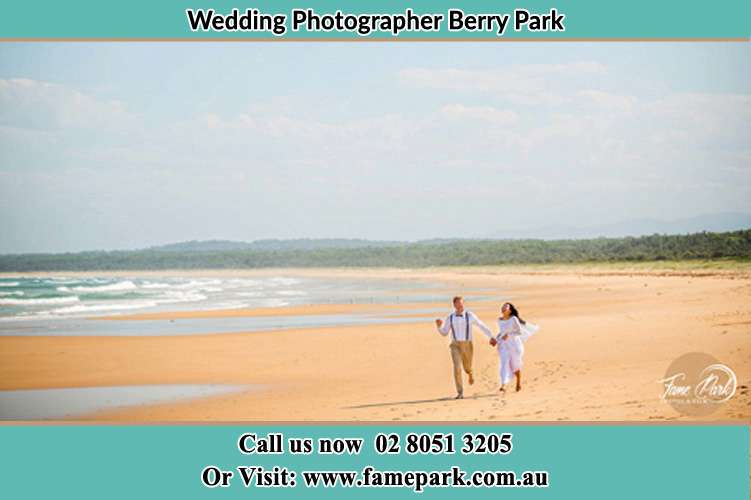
point(129, 145)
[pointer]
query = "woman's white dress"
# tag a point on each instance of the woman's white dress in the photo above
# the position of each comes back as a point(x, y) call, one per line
point(511, 350)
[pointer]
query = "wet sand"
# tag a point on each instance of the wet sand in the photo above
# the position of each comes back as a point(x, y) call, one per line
point(607, 337)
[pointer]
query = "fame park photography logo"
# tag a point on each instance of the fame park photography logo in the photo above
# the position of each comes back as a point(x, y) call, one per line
point(697, 384)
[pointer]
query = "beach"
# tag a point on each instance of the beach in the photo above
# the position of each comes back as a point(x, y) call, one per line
point(607, 338)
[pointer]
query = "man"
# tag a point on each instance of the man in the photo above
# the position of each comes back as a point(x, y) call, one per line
point(460, 323)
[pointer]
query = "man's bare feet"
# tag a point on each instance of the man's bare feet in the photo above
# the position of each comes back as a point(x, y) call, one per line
point(459, 396)
point(471, 379)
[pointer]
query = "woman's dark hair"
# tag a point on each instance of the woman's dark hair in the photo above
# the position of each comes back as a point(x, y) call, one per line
point(514, 312)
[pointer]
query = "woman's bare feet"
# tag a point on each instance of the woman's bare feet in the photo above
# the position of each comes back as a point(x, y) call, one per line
point(502, 389)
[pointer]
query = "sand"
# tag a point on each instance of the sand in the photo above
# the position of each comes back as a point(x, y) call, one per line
point(607, 338)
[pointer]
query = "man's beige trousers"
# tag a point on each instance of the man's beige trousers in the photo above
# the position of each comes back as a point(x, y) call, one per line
point(461, 356)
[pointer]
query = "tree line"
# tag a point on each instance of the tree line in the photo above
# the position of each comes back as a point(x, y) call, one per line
point(705, 245)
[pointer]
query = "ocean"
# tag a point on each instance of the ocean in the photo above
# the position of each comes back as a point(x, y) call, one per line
point(59, 297)
point(66, 297)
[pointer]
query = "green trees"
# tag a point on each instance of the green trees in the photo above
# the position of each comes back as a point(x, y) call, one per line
point(656, 247)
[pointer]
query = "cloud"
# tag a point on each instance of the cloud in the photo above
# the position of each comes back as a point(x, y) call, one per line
point(609, 101)
point(516, 83)
point(481, 113)
point(34, 104)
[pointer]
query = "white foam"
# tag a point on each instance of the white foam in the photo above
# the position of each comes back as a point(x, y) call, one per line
point(227, 305)
point(239, 282)
point(281, 281)
point(203, 285)
point(174, 297)
point(64, 281)
point(9, 283)
point(151, 285)
point(31, 302)
point(198, 284)
point(114, 287)
point(100, 308)
point(273, 303)
point(75, 296)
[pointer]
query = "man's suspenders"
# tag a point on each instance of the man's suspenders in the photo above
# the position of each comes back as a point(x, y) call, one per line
point(466, 321)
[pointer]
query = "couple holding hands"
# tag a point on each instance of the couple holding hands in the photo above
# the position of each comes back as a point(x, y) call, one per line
point(509, 341)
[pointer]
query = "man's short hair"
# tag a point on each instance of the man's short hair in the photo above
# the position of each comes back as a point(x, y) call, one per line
point(458, 297)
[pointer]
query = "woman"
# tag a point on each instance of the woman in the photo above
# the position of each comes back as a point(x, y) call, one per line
point(512, 333)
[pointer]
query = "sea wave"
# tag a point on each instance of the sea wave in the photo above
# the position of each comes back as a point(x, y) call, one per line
point(291, 293)
point(241, 282)
point(281, 281)
point(99, 308)
point(76, 297)
point(227, 305)
point(198, 284)
point(40, 301)
point(152, 285)
point(273, 303)
point(175, 297)
point(205, 285)
point(113, 287)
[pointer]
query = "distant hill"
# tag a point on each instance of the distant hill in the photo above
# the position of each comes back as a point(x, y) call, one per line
point(271, 244)
point(703, 245)
point(717, 223)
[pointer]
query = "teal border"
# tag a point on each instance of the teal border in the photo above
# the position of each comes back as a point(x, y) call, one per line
point(624, 461)
point(585, 19)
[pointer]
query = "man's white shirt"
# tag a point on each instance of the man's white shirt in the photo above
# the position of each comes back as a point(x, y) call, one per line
point(462, 330)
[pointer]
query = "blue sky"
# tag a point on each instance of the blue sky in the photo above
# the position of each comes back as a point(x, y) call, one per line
point(126, 145)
